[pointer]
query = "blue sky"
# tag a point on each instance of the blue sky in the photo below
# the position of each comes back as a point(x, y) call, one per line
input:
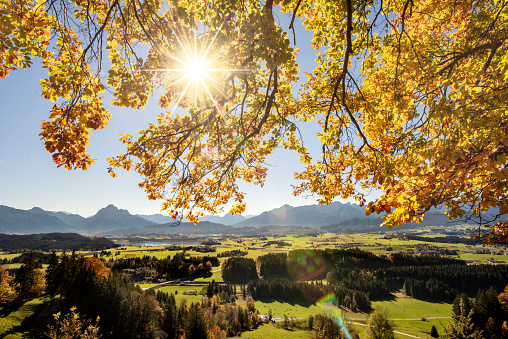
point(29, 178)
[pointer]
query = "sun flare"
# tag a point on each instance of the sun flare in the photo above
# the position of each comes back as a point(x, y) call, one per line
point(197, 70)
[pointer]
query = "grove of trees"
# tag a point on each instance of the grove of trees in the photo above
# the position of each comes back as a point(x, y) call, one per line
point(239, 270)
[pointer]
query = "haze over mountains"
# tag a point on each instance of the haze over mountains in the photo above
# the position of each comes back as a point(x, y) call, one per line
point(335, 217)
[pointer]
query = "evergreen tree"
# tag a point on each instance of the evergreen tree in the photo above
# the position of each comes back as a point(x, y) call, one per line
point(51, 274)
point(25, 278)
point(170, 323)
point(239, 270)
point(433, 332)
point(461, 306)
point(195, 326)
point(481, 310)
point(63, 276)
point(310, 322)
point(463, 327)
point(495, 311)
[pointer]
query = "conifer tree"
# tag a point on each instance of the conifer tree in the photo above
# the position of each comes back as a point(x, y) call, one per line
point(25, 277)
point(195, 326)
point(463, 326)
point(433, 332)
point(51, 274)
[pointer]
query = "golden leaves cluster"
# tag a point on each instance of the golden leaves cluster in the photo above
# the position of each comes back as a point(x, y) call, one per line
point(430, 100)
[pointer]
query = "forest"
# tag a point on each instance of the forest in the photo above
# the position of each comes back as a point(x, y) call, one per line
point(53, 241)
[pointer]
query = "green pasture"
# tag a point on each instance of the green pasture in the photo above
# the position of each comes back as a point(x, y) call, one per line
point(409, 308)
point(8, 256)
point(10, 266)
point(420, 328)
point(217, 276)
point(405, 309)
point(179, 296)
point(271, 331)
point(296, 309)
point(483, 257)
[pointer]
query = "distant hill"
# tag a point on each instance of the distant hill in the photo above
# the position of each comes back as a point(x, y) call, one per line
point(433, 218)
point(336, 217)
point(111, 218)
point(53, 241)
point(308, 215)
point(228, 219)
point(157, 218)
point(36, 220)
point(68, 218)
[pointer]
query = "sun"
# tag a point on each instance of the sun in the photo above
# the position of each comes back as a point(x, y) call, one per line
point(196, 69)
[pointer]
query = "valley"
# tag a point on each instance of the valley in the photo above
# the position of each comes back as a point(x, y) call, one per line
point(410, 316)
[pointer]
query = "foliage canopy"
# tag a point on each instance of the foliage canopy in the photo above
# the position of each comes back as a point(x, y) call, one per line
point(411, 97)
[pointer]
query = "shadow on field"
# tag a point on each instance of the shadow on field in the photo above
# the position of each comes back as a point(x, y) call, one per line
point(432, 301)
point(8, 309)
point(201, 276)
point(35, 324)
point(390, 298)
point(303, 302)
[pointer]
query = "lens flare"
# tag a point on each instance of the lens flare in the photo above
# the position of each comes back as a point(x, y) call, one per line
point(331, 309)
point(307, 265)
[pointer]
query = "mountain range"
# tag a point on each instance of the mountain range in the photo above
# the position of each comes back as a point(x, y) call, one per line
point(110, 220)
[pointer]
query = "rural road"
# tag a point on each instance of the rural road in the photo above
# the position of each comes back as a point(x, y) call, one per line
point(404, 334)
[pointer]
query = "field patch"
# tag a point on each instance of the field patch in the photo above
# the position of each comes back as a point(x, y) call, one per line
point(12, 318)
point(270, 331)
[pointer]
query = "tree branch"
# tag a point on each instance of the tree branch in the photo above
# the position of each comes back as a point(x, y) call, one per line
point(293, 20)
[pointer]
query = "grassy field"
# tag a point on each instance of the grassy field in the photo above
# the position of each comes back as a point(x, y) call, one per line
point(409, 308)
point(178, 291)
point(299, 309)
point(271, 331)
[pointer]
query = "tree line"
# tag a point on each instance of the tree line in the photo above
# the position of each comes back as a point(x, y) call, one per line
point(16, 243)
point(152, 268)
point(446, 281)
